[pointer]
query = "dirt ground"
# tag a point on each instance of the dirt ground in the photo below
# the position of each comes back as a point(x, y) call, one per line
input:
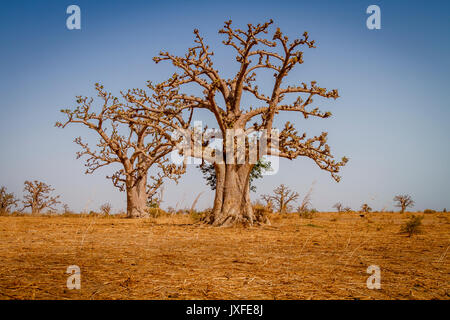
point(171, 258)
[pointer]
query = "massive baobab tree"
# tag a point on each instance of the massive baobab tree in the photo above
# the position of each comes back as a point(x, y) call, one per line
point(224, 98)
point(37, 196)
point(403, 202)
point(7, 200)
point(136, 147)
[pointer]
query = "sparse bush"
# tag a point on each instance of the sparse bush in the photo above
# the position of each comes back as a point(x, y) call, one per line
point(413, 225)
point(267, 208)
point(429, 211)
point(156, 212)
point(365, 208)
point(338, 206)
point(306, 214)
point(197, 216)
point(152, 204)
point(171, 210)
point(50, 212)
point(17, 214)
point(181, 212)
point(306, 202)
point(262, 212)
point(106, 209)
point(66, 209)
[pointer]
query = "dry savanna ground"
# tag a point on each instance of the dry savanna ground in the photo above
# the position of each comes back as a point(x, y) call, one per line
point(325, 257)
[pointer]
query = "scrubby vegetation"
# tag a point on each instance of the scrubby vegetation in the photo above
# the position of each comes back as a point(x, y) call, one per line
point(365, 208)
point(413, 225)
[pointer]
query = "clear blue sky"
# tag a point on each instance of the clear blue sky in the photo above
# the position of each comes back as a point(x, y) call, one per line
point(391, 121)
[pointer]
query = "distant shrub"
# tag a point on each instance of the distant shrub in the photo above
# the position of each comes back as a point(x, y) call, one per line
point(306, 213)
point(18, 214)
point(365, 208)
point(262, 212)
point(197, 216)
point(445, 210)
point(413, 225)
point(429, 211)
point(258, 205)
point(106, 209)
point(339, 207)
point(181, 212)
point(171, 210)
point(156, 212)
point(66, 209)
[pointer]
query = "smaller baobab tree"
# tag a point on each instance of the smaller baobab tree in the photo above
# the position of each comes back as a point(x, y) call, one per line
point(38, 196)
point(66, 209)
point(403, 202)
point(7, 200)
point(135, 147)
point(282, 198)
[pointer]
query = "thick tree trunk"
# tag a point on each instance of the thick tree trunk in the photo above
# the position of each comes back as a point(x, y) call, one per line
point(232, 204)
point(137, 199)
point(35, 209)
